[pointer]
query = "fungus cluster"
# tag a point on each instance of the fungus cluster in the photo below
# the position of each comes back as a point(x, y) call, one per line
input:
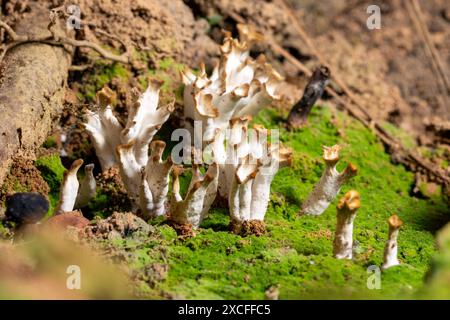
point(200, 195)
point(250, 173)
point(222, 103)
point(324, 193)
point(145, 177)
point(239, 86)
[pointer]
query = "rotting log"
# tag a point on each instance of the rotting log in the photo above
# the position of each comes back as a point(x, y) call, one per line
point(33, 77)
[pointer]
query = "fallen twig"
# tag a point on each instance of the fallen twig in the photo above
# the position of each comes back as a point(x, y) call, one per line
point(58, 40)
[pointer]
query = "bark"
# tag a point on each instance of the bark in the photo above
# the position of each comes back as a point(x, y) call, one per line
point(32, 83)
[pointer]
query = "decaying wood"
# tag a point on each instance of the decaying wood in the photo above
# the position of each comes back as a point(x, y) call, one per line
point(298, 115)
point(32, 81)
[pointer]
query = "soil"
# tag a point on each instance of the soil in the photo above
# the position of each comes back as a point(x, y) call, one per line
point(118, 225)
point(409, 81)
point(64, 220)
point(388, 69)
point(167, 28)
point(23, 176)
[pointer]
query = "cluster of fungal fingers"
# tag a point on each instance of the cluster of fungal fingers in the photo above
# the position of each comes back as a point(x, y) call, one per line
point(239, 86)
point(223, 104)
point(329, 185)
point(127, 147)
point(248, 173)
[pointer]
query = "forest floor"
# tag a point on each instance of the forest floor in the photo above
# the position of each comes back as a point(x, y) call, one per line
point(293, 260)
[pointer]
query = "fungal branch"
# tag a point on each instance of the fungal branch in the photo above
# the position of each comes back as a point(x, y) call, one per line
point(145, 118)
point(346, 213)
point(154, 183)
point(190, 211)
point(73, 194)
point(329, 184)
point(391, 248)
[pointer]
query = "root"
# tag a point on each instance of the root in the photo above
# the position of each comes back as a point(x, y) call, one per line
point(62, 40)
point(248, 228)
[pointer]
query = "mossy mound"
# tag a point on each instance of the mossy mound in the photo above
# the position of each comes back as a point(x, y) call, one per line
point(295, 253)
point(52, 171)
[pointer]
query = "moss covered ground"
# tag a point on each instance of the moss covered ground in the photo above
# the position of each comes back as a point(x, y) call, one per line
point(295, 255)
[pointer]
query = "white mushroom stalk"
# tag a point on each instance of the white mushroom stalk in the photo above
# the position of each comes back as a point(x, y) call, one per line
point(71, 195)
point(228, 158)
point(202, 190)
point(391, 248)
point(238, 86)
point(346, 213)
point(240, 199)
point(88, 187)
point(147, 186)
point(145, 118)
point(329, 184)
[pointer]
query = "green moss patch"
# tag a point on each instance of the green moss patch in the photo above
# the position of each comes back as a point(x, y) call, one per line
point(52, 170)
point(296, 253)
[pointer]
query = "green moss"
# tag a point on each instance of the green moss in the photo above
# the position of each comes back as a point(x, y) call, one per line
point(102, 74)
point(438, 278)
point(296, 253)
point(430, 190)
point(168, 71)
point(214, 20)
point(52, 171)
point(402, 136)
point(50, 142)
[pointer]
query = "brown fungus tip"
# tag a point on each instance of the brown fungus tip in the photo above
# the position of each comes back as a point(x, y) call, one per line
point(331, 153)
point(351, 201)
point(395, 222)
point(106, 97)
point(76, 164)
